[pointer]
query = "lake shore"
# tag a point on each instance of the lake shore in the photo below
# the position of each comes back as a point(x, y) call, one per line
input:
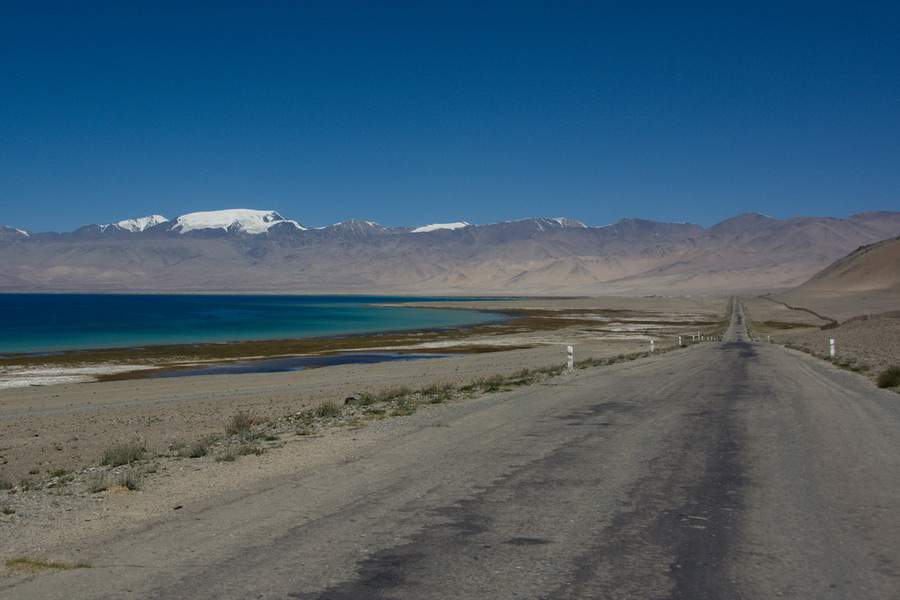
point(64, 424)
point(53, 433)
point(52, 324)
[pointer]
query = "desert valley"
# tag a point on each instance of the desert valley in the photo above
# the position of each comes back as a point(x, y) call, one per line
point(198, 441)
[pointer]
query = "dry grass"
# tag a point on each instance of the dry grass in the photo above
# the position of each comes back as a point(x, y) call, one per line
point(889, 378)
point(198, 449)
point(122, 454)
point(327, 409)
point(25, 563)
point(238, 424)
point(128, 480)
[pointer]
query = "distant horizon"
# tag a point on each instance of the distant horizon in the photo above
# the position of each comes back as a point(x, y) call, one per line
point(260, 251)
point(417, 225)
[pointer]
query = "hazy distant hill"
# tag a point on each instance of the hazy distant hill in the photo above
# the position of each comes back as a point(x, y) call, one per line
point(249, 250)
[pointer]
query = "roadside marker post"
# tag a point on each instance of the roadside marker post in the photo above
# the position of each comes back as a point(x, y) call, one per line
point(571, 358)
point(651, 346)
point(831, 347)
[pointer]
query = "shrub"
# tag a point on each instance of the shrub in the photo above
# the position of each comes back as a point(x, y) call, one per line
point(5, 483)
point(431, 389)
point(305, 417)
point(195, 450)
point(404, 409)
point(238, 424)
point(123, 454)
point(552, 371)
point(327, 410)
point(246, 449)
point(591, 362)
point(130, 479)
point(492, 384)
point(889, 378)
point(361, 400)
point(393, 394)
point(96, 483)
point(439, 393)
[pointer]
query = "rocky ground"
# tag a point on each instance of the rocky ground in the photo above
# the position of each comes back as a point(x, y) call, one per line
point(865, 331)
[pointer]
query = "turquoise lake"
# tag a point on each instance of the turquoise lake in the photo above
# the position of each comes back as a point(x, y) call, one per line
point(52, 322)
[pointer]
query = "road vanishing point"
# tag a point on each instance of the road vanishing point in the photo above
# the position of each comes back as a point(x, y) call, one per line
point(732, 469)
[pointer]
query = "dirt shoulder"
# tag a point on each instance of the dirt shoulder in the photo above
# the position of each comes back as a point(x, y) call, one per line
point(864, 326)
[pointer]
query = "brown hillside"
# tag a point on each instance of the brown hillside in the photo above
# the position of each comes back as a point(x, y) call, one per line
point(868, 268)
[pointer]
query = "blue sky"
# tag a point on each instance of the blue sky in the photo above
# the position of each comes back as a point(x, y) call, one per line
point(408, 113)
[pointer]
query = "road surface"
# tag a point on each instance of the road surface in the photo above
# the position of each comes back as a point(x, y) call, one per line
point(726, 470)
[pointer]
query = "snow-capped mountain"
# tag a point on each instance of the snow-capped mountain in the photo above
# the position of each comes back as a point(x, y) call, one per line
point(439, 226)
point(354, 229)
point(254, 250)
point(561, 222)
point(135, 225)
point(9, 234)
point(238, 220)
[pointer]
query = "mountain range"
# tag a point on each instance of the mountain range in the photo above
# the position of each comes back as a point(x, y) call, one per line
point(245, 250)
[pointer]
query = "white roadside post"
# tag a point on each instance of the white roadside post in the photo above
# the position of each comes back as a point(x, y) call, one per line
point(571, 358)
point(679, 340)
point(831, 347)
point(651, 346)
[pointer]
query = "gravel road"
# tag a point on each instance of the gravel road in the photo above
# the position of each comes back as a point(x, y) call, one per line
point(724, 470)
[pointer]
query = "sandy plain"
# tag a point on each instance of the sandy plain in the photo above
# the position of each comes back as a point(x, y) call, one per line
point(53, 436)
point(865, 326)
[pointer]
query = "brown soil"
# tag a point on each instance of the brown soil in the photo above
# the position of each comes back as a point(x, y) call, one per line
point(865, 326)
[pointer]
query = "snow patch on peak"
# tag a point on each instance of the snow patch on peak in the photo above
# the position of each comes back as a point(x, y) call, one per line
point(11, 233)
point(437, 226)
point(563, 222)
point(357, 223)
point(141, 223)
point(239, 219)
point(541, 222)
